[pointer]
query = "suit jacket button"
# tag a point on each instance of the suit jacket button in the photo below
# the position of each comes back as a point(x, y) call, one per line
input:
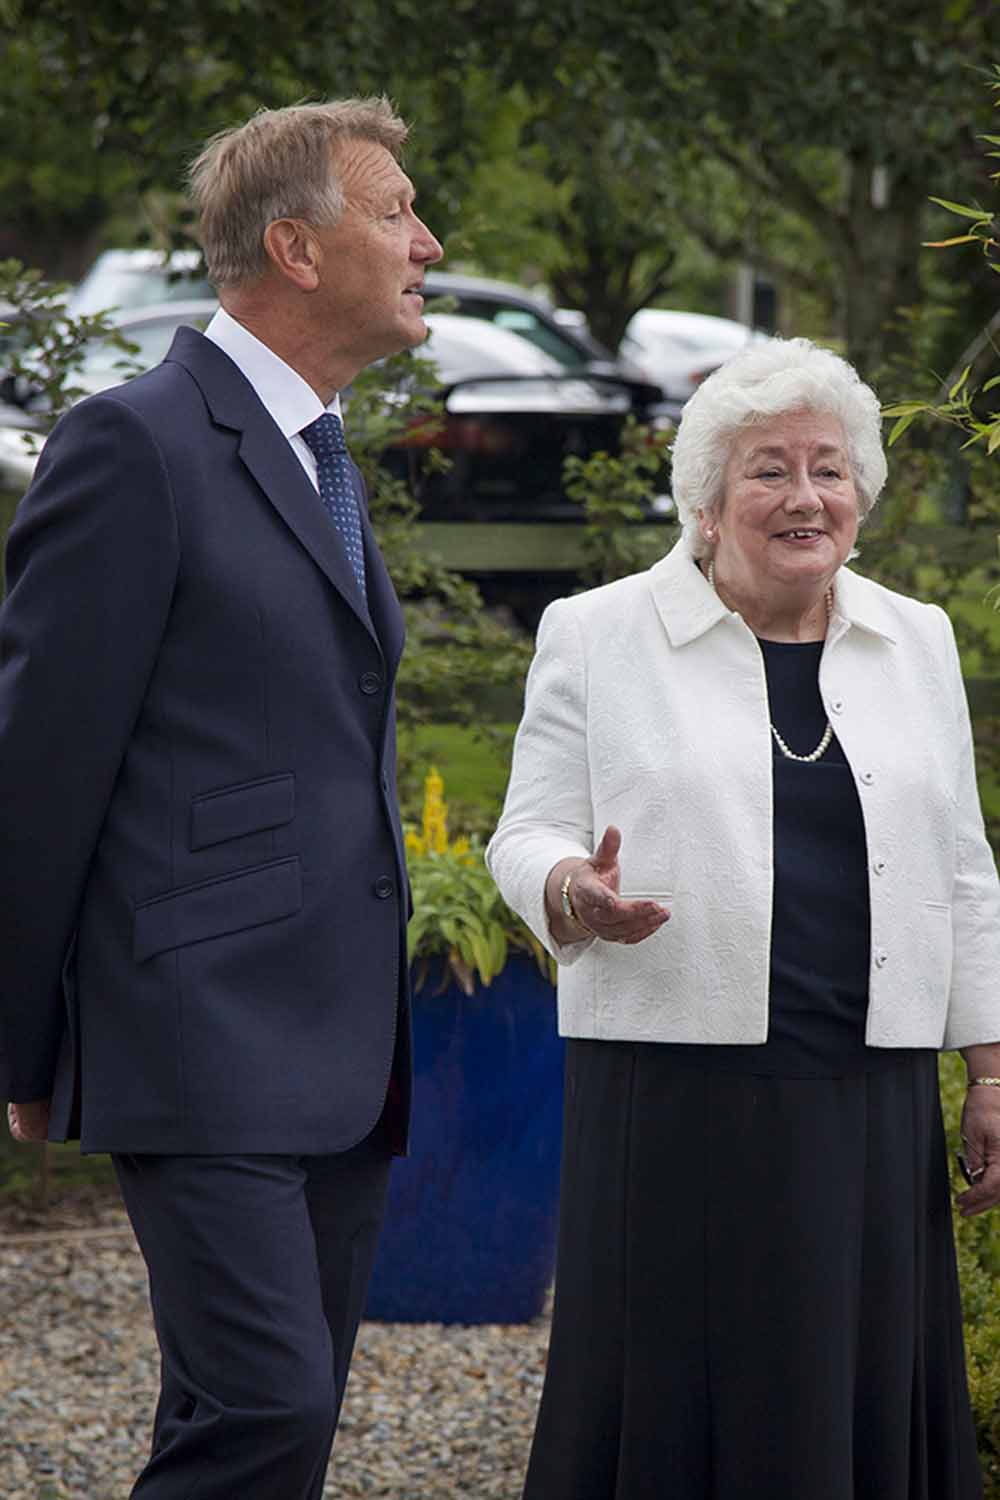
point(369, 682)
point(384, 887)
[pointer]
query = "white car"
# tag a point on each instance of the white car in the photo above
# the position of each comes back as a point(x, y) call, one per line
point(132, 279)
point(678, 349)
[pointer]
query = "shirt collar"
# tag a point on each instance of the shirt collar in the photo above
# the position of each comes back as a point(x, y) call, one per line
point(289, 399)
point(689, 606)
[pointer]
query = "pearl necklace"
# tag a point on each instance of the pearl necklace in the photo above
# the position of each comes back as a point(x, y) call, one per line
point(824, 743)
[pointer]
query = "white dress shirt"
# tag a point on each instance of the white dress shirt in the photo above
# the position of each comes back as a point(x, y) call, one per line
point(289, 399)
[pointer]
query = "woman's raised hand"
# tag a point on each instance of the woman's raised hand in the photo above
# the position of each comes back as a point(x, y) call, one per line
point(593, 893)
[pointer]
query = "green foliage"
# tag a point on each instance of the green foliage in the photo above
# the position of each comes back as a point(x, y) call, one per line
point(959, 402)
point(475, 767)
point(44, 347)
point(615, 493)
point(461, 918)
point(978, 1242)
point(460, 660)
point(912, 544)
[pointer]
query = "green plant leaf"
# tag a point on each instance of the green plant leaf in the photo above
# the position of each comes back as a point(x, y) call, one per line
point(900, 426)
point(979, 214)
point(958, 239)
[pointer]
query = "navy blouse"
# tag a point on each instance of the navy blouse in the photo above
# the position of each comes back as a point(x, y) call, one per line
point(820, 916)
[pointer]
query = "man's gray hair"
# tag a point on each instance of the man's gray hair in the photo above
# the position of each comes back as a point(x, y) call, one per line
point(770, 380)
point(279, 165)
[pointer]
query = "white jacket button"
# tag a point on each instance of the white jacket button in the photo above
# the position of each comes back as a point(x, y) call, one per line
point(881, 958)
point(878, 865)
point(867, 777)
point(836, 705)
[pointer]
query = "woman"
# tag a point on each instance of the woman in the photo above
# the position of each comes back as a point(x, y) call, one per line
point(790, 907)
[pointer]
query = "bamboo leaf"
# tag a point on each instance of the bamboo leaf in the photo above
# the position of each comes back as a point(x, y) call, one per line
point(900, 426)
point(963, 210)
point(904, 409)
point(958, 239)
point(959, 383)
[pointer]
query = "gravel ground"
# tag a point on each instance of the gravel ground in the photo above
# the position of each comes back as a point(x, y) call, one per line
point(430, 1411)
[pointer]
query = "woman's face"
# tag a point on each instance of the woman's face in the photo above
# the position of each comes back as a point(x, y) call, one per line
point(789, 512)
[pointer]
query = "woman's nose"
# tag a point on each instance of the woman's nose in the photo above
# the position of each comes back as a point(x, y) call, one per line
point(803, 495)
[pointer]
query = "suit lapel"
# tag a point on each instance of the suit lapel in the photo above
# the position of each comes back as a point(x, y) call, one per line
point(269, 458)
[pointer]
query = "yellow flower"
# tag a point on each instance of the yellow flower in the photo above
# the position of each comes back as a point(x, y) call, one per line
point(435, 814)
point(433, 839)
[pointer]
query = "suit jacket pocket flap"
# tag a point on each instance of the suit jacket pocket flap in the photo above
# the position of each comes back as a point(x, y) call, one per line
point(235, 810)
point(265, 893)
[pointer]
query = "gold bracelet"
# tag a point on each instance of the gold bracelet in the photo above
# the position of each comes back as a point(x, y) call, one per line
point(993, 1083)
point(567, 904)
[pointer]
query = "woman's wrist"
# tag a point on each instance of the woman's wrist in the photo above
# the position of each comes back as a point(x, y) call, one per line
point(566, 902)
point(565, 927)
point(983, 1065)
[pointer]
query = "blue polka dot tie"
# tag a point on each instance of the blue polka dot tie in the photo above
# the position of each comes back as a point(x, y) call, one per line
point(325, 437)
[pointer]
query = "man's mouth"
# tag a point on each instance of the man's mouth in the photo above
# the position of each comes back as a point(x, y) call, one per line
point(417, 290)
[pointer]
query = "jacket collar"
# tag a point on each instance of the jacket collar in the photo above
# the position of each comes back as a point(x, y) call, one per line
point(689, 607)
point(266, 453)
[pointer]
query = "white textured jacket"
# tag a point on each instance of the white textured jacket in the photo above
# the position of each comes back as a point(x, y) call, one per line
point(646, 707)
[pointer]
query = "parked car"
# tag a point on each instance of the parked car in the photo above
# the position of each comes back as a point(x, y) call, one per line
point(678, 349)
point(130, 279)
point(512, 414)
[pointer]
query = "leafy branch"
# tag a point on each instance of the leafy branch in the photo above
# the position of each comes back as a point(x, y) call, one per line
point(616, 493)
point(45, 347)
point(957, 402)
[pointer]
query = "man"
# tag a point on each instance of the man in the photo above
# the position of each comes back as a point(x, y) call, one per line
point(202, 889)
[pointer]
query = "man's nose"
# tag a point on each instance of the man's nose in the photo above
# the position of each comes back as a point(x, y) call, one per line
point(425, 247)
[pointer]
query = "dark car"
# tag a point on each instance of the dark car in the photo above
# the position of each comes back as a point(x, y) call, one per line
point(513, 413)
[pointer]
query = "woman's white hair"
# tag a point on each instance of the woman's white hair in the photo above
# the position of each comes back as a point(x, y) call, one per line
point(766, 381)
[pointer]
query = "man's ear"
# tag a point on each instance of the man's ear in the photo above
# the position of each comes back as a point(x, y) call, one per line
point(294, 251)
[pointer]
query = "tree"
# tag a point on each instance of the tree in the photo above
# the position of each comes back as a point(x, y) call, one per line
point(960, 398)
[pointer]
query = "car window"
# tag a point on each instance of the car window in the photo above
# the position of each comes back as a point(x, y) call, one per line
point(127, 287)
point(463, 346)
point(528, 325)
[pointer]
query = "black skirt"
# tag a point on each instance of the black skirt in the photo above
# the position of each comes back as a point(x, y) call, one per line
point(756, 1293)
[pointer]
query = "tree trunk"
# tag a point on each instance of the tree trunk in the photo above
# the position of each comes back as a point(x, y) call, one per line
point(880, 266)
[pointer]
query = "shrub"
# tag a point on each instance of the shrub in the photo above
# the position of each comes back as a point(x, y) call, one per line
point(459, 918)
point(978, 1242)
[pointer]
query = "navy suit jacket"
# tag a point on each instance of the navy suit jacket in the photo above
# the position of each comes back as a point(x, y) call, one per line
point(203, 896)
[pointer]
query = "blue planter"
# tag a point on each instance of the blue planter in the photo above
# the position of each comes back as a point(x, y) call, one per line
point(470, 1230)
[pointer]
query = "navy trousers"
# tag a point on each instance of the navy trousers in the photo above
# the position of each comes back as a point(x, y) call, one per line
point(258, 1269)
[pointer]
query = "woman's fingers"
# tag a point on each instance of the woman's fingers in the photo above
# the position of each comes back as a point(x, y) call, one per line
point(985, 1194)
point(981, 1140)
point(604, 860)
point(594, 893)
point(609, 916)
